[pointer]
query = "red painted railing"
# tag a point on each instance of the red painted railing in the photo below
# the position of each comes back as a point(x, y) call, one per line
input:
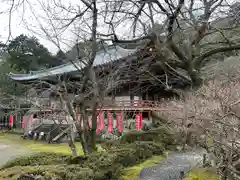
point(134, 103)
point(127, 104)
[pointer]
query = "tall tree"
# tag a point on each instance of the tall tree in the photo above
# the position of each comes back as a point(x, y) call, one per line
point(26, 53)
point(7, 86)
point(61, 56)
point(181, 42)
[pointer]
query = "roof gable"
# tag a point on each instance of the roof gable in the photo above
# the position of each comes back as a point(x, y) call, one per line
point(107, 55)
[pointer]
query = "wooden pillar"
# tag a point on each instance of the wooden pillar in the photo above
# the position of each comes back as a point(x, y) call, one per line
point(151, 118)
point(113, 99)
point(132, 99)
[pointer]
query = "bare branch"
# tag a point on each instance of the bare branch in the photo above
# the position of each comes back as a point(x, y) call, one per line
point(197, 62)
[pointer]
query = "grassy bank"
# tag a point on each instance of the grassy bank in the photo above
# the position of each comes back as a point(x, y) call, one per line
point(122, 160)
point(39, 146)
point(202, 174)
point(116, 163)
point(132, 173)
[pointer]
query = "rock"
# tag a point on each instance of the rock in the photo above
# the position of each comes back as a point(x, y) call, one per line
point(109, 136)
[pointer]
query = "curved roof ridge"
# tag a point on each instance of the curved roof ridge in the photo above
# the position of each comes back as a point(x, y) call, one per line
point(103, 56)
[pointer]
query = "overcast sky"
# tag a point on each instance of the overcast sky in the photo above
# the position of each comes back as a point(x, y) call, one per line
point(18, 26)
point(23, 20)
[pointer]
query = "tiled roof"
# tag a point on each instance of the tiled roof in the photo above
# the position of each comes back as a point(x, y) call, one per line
point(3, 106)
point(111, 53)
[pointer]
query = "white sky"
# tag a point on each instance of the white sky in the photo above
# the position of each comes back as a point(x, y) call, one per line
point(18, 26)
point(23, 20)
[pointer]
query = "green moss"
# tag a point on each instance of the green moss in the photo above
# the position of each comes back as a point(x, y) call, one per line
point(42, 158)
point(119, 159)
point(39, 146)
point(209, 141)
point(102, 164)
point(160, 134)
point(47, 172)
point(202, 174)
point(125, 155)
point(14, 172)
point(131, 173)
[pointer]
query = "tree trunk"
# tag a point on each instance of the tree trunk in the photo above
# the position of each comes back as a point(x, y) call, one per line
point(68, 106)
point(72, 145)
point(83, 140)
point(95, 100)
point(87, 130)
point(195, 75)
point(94, 127)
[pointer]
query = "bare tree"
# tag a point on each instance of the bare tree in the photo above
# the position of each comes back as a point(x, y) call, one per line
point(185, 26)
point(212, 112)
point(181, 41)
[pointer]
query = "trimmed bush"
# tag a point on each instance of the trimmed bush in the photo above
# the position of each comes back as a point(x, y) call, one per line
point(47, 172)
point(160, 134)
point(98, 166)
point(38, 159)
point(134, 148)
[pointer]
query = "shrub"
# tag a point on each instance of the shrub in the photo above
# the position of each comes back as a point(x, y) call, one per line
point(38, 159)
point(47, 172)
point(160, 134)
point(133, 148)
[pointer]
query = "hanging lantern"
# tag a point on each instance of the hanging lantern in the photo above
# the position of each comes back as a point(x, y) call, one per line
point(97, 131)
point(120, 117)
point(138, 121)
point(25, 121)
point(101, 120)
point(82, 125)
point(90, 121)
point(141, 121)
point(78, 116)
point(11, 120)
point(98, 124)
point(110, 122)
point(28, 120)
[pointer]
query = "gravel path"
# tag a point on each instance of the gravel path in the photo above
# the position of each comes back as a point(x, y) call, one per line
point(9, 151)
point(170, 168)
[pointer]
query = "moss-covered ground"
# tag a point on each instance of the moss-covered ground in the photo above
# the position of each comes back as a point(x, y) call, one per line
point(202, 174)
point(121, 160)
point(38, 146)
point(118, 158)
point(131, 173)
point(98, 166)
